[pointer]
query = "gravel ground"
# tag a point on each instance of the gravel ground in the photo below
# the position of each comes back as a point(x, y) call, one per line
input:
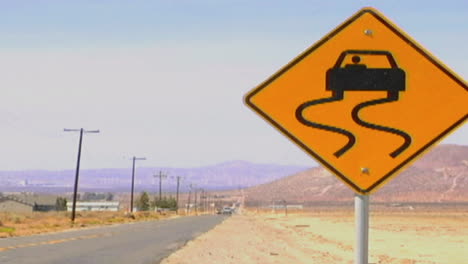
point(403, 238)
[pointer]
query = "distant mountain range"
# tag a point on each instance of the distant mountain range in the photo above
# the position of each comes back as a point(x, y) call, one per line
point(228, 175)
point(440, 176)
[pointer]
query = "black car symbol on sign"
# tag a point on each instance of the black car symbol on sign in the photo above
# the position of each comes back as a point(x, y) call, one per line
point(358, 77)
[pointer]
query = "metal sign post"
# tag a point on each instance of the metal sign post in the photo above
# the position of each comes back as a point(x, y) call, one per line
point(361, 214)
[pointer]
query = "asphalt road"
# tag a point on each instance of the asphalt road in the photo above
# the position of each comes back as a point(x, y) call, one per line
point(144, 242)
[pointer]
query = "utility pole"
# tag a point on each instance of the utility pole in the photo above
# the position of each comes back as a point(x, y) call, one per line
point(77, 173)
point(177, 194)
point(161, 176)
point(133, 181)
point(202, 205)
point(201, 200)
point(285, 208)
point(196, 208)
point(205, 208)
point(207, 202)
point(189, 195)
point(210, 201)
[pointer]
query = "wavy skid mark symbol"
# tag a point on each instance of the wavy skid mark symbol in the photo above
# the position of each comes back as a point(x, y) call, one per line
point(391, 97)
point(336, 96)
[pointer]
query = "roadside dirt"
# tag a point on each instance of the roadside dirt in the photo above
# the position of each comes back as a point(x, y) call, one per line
point(328, 237)
point(17, 224)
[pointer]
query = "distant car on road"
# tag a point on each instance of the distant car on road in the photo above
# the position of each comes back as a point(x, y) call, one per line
point(227, 210)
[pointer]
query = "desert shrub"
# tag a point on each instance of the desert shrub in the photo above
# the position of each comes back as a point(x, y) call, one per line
point(61, 204)
point(144, 214)
point(17, 220)
point(116, 220)
point(143, 203)
point(168, 203)
point(130, 215)
point(8, 230)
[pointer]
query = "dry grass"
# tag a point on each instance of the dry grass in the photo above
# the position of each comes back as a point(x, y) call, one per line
point(17, 224)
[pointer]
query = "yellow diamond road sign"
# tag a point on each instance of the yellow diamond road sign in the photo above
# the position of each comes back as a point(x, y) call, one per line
point(365, 100)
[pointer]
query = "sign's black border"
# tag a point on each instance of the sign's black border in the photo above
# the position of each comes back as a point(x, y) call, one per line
point(316, 46)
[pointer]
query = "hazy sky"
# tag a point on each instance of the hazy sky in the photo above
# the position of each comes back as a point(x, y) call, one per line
point(165, 79)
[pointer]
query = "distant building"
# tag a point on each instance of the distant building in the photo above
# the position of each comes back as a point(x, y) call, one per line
point(23, 183)
point(289, 206)
point(295, 206)
point(94, 206)
point(23, 203)
point(11, 205)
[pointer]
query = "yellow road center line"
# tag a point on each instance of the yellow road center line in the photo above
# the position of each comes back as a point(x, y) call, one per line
point(52, 242)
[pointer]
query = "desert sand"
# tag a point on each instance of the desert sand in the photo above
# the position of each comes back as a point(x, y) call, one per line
point(401, 236)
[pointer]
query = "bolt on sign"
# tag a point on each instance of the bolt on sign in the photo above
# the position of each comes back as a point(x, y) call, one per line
point(365, 100)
